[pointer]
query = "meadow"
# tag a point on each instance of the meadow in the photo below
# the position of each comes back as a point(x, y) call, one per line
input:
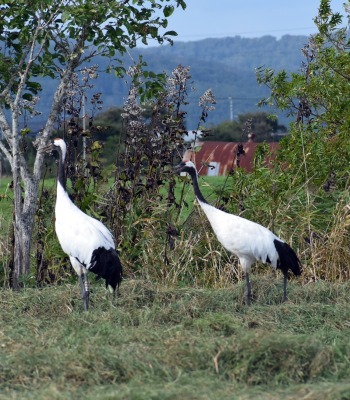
point(158, 342)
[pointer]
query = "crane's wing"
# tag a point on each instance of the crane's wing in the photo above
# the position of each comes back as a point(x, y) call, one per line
point(242, 237)
point(79, 234)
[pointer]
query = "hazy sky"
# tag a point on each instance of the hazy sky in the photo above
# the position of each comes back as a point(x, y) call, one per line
point(247, 18)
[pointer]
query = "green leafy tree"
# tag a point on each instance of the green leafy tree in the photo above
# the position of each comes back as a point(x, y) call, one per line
point(261, 124)
point(314, 157)
point(319, 99)
point(53, 39)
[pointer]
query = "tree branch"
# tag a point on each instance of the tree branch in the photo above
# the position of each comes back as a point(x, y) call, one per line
point(56, 107)
point(24, 75)
point(7, 154)
point(7, 90)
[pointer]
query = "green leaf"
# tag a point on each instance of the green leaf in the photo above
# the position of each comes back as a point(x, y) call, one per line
point(65, 15)
point(96, 145)
point(182, 4)
point(168, 10)
point(27, 96)
point(170, 33)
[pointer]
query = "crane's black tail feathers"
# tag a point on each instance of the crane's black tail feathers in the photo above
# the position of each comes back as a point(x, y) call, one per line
point(287, 258)
point(106, 264)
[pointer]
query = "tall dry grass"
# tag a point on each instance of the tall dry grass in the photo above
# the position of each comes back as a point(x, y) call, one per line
point(330, 253)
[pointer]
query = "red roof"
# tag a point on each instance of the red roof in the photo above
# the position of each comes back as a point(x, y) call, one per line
point(223, 156)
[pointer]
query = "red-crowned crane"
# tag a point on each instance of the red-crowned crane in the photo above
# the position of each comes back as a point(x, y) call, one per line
point(87, 242)
point(247, 240)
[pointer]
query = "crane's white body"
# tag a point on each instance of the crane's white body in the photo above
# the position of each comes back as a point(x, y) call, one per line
point(72, 223)
point(248, 240)
point(87, 242)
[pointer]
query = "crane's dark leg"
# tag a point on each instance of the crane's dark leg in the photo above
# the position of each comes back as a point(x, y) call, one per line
point(83, 280)
point(82, 287)
point(248, 291)
point(285, 287)
point(86, 293)
point(85, 290)
point(114, 294)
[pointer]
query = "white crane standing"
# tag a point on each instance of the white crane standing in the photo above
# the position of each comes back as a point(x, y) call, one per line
point(87, 242)
point(247, 240)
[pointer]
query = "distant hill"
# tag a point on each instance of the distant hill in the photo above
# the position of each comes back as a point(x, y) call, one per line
point(227, 66)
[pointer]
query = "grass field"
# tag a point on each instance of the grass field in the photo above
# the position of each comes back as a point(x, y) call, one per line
point(165, 343)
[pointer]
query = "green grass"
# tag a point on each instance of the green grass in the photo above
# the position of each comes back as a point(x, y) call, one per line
point(6, 207)
point(208, 185)
point(159, 342)
point(6, 196)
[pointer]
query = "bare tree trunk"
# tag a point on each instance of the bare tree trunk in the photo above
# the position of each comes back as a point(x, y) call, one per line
point(24, 212)
point(25, 202)
point(23, 234)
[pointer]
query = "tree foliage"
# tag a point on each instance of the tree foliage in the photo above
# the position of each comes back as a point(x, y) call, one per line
point(261, 124)
point(319, 99)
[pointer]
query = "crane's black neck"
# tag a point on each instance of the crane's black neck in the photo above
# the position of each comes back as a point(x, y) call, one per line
point(61, 173)
point(196, 189)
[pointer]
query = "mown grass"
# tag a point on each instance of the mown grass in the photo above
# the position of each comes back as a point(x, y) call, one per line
point(158, 342)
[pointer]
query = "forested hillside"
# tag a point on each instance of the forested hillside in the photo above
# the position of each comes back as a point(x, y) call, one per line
point(227, 66)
